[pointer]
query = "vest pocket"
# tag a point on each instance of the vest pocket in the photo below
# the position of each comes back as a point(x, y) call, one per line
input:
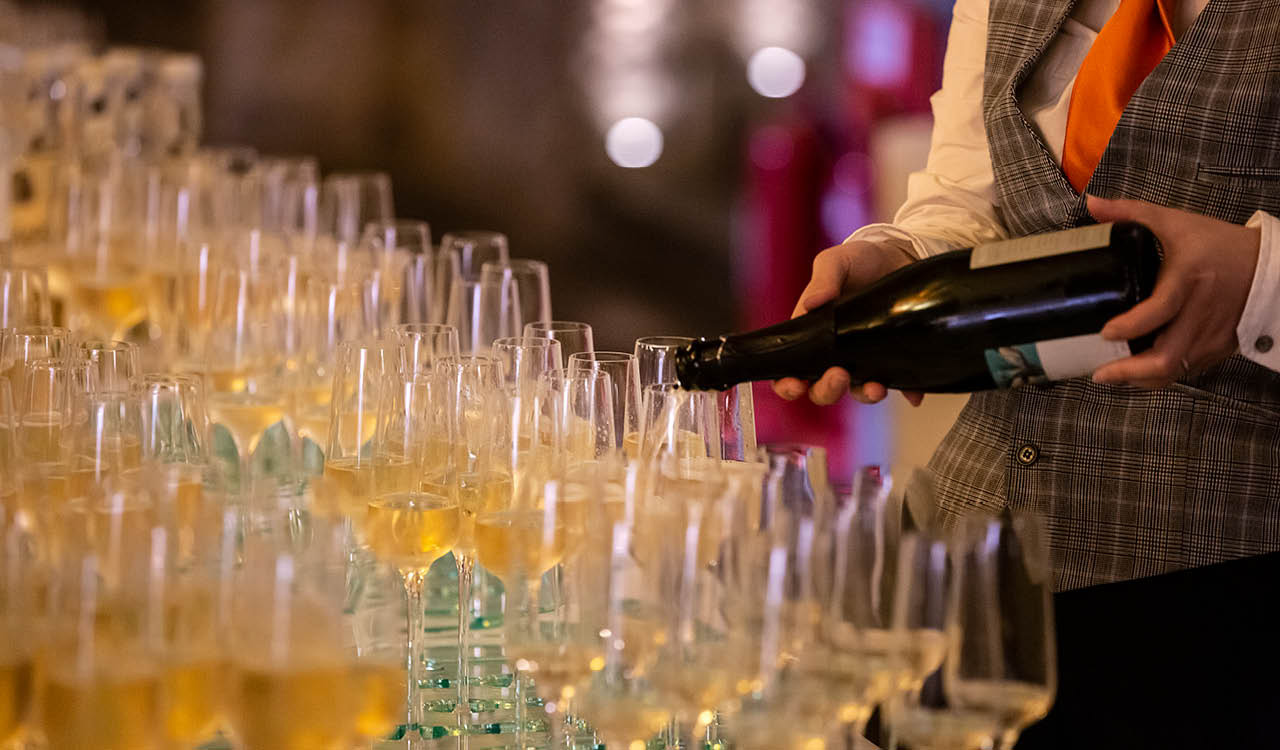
point(1229, 173)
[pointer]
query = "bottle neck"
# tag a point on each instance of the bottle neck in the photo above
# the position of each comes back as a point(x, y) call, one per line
point(800, 347)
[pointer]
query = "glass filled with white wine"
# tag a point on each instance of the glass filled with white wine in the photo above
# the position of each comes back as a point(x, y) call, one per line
point(363, 385)
point(101, 680)
point(412, 518)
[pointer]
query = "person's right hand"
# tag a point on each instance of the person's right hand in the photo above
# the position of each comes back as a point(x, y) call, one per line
point(836, 271)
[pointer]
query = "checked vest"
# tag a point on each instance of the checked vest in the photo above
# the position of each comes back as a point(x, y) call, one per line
point(1135, 482)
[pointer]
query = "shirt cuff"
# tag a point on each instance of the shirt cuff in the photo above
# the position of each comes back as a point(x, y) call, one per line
point(1260, 322)
point(921, 247)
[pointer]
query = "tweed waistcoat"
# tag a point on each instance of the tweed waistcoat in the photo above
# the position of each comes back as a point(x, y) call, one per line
point(1135, 482)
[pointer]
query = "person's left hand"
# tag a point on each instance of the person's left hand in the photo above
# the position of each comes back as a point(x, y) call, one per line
point(1199, 295)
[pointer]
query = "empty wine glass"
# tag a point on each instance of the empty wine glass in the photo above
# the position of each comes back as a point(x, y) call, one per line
point(624, 374)
point(574, 337)
point(482, 311)
point(675, 421)
point(1004, 662)
point(24, 298)
point(655, 358)
point(531, 282)
point(472, 249)
point(402, 251)
point(26, 344)
point(350, 200)
point(525, 359)
point(113, 363)
point(424, 344)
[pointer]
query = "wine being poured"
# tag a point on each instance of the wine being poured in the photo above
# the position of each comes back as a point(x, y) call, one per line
point(1000, 315)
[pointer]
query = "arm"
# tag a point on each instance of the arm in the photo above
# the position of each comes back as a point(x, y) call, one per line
point(950, 203)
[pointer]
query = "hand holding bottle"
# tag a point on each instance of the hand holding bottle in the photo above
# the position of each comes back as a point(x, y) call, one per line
point(837, 271)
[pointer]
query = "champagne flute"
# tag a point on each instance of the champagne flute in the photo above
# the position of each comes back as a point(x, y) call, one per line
point(675, 421)
point(583, 400)
point(18, 634)
point(472, 249)
point(243, 360)
point(413, 518)
point(525, 359)
point(330, 314)
point(113, 363)
point(291, 671)
point(624, 374)
point(102, 676)
point(44, 428)
point(574, 337)
point(106, 445)
point(482, 311)
point(1004, 664)
point(350, 200)
point(531, 282)
point(23, 345)
point(402, 250)
point(734, 408)
point(363, 381)
point(423, 344)
point(858, 653)
point(24, 298)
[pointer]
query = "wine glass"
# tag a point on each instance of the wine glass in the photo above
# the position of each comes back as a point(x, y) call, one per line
point(624, 374)
point(424, 344)
point(413, 518)
point(44, 429)
point(482, 311)
point(24, 298)
point(106, 445)
point(924, 576)
point(21, 346)
point(290, 195)
point(1004, 662)
point(574, 337)
point(244, 360)
point(113, 363)
point(102, 678)
point(583, 420)
point(675, 421)
point(350, 200)
point(19, 637)
point(735, 407)
point(292, 674)
point(525, 359)
point(857, 652)
point(402, 251)
point(655, 358)
point(363, 380)
point(9, 456)
point(330, 314)
point(472, 249)
point(531, 282)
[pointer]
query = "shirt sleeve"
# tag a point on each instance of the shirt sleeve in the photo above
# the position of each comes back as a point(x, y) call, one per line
point(1260, 322)
point(952, 202)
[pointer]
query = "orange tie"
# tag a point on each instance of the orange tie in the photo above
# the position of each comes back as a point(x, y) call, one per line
point(1127, 49)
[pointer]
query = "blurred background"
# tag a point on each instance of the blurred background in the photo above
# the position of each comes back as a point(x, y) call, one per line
point(677, 163)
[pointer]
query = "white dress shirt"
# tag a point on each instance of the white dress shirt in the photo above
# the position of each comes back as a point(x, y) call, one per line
point(951, 202)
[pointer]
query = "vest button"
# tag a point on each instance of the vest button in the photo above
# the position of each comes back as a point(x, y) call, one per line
point(1263, 344)
point(1028, 454)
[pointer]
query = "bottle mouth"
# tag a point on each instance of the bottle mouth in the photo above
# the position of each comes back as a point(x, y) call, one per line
point(693, 360)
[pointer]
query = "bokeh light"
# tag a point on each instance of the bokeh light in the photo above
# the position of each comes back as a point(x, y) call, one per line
point(633, 142)
point(775, 72)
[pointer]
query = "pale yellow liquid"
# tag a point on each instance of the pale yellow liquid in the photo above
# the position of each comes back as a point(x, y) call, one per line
point(117, 711)
point(111, 302)
point(17, 688)
point(688, 445)
point(1012, 704)
point(45, 488)
point(857, 677)
point(514, 543)
point(623, 718)
point(246, 415)
point(922, 654)
point(40, 438)
point(227, 381)
point(351, 481)
point(950, 729)
point(380, 692)
point(394, 474)
point(311, 411)
point(194, 694)
point(410, 529)
point(557, 667)
point(296, 709)
point(703, 682)
point(480, 494)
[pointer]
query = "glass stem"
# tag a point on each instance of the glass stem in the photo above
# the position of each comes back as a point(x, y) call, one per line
point(413, 582)
point(466, 573)
point(528, 621)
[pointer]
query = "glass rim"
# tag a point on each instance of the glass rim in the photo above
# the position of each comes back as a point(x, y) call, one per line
point(473, 235)
point(424, 329)
point(558, 325)
point(663, 342)
point(527, 342)
point(596, 357)
point(515, 265)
